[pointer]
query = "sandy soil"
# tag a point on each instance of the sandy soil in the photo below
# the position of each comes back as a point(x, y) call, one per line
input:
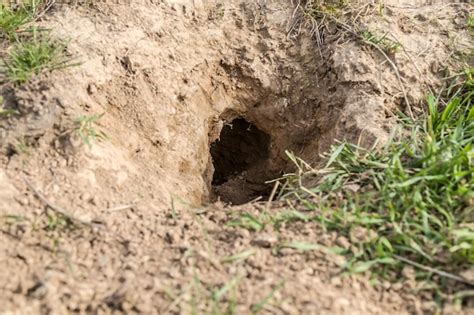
point(181, 84)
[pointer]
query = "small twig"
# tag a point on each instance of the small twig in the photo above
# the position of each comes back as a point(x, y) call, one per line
point(66, 214)
point(272, 195)
point(309, 192)
point(316, 30)
point(119, 208)
point(295, 11)
point(255, 200)
point(433, 270)
point(50, 205)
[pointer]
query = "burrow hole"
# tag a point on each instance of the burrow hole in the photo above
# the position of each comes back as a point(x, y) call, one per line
point(239, 156)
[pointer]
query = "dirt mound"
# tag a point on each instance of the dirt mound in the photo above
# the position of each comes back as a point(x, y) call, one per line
point(200, 101)
point(169, 88)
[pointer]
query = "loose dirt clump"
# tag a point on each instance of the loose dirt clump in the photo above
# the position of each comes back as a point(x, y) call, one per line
point(195, 104)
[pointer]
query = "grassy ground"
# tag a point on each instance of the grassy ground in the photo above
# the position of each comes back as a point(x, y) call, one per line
point(410, 203)
point(29, 49)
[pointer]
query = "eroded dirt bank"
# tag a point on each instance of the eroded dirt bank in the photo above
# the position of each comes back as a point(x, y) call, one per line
point(200, 102)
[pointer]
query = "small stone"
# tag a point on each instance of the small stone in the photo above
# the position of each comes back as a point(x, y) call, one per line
point(264, 240)
point(343, 242)
point(336, 281)
point(232, 270)
point(286, 251)
point(352, 188)
point(62, 163)
point(359, 234)
point(93, 200)
point(341, 304)
point(171, 238)
point(244, 233)
point(23, 201)
point(91, 89)
point(288, 308)
point(85, 196)
point(468, 274)
point(309, 271)
point(339, 260)
point(397, 286)
point(428, 306)
point(296, 266)
point(85, 217)
point(356, 285)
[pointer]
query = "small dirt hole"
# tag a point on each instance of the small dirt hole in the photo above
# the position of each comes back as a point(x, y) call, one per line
point(237, 156)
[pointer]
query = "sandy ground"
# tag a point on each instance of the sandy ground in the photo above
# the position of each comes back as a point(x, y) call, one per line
point(146, 233)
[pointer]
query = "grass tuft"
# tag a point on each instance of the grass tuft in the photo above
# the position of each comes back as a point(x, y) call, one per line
point(415, 197)
point(86, 128)
point(30, 57)
point(12, 19)
point(386, 44)
point(318, 8)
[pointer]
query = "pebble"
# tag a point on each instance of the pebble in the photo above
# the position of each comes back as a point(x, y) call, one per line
point(356, 285)
point(244, 233)
point(341, 304)
point(93, 200)
point(343, 242)
point(171, 238)
point(397, 286)
point(336, 281)
point(468, 274)
point(286, 251)
point(264, 240)
point(91, 89)
point(339, 260)
point(85, 196)
point(62, 162)
point(289, 308)
point(24, 201)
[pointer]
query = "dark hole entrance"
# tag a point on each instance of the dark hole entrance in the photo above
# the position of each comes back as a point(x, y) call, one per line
point(238, 157)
